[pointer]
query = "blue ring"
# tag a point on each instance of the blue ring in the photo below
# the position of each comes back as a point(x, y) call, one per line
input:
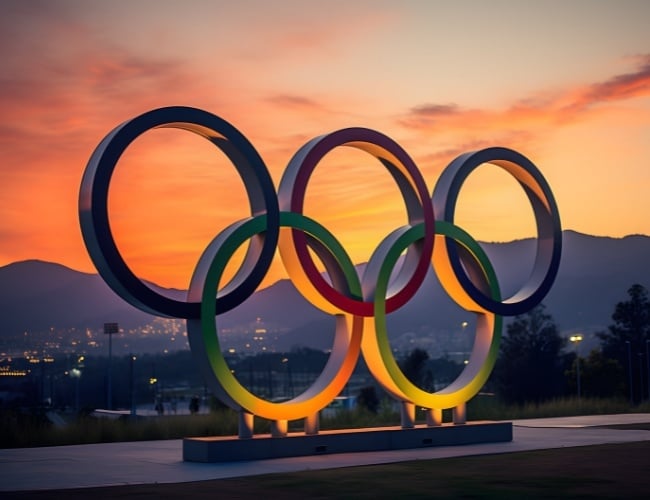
point(93, 209)
point(549, 230)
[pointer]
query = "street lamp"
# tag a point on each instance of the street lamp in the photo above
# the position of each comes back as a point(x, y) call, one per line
point(576, 339)
point(289, 387)
point(75, 373)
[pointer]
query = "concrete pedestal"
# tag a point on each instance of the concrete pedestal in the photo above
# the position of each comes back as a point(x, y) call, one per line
point(229, 449)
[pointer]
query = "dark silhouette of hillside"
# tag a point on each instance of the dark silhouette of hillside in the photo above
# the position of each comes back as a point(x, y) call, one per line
point(594, 275)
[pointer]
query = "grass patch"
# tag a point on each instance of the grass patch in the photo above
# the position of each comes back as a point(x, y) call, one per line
point(490, 408)
point(603, 471)
point(16, 432)
point(20, 430)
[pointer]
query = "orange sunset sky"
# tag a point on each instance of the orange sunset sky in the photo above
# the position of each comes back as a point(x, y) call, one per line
point(567, 83)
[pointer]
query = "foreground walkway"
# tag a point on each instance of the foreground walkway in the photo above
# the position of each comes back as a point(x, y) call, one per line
point(147, 462)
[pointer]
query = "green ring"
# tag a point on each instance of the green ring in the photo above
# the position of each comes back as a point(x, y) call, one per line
point(476, 373)
point(203, 336)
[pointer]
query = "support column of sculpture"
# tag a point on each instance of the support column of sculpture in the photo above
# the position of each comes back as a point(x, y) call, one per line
point(279, 428)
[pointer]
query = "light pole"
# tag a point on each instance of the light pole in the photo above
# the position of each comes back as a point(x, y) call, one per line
point(640, 354)
point(132, 385)
point(647, 357)
point(576, 339)
point(629, 368)
point(110, 329)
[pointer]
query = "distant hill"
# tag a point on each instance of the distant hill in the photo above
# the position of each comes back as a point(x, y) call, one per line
point(594, 275)
point(35, 296)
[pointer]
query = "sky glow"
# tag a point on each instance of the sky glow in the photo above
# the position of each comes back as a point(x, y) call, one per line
point(566, 83)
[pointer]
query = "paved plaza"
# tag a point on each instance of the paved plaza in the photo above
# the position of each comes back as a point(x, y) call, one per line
point(148, 462)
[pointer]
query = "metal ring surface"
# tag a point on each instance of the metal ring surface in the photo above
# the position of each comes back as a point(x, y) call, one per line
point(293, 245)
point(95, 226)
point(549, 238)
point(376, 347)
point(204, 341)
point(360, 305)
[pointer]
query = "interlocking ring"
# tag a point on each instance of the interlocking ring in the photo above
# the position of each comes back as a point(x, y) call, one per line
point(360, 304)
point(450, 257)
point(376, 348)
point(293, 245)
point(95, 226)
point(202, 332)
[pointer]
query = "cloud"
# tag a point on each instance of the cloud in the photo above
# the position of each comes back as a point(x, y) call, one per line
point(434, 111)
point(51, 123)
point(60, 93)
point(533, 112)
point(294, 101)
point(625, 85)
point(308, 35)
point(315, 110)
point(617, 88)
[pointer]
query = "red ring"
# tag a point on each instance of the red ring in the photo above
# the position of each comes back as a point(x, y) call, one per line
point(291, 195)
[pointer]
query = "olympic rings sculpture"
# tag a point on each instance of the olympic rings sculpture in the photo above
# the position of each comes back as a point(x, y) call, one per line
point(360, 304)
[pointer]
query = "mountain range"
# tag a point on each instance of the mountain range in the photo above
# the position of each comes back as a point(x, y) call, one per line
point(595, 274)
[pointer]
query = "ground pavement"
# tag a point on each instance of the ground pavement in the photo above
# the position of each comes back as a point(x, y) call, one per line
point(148, 462)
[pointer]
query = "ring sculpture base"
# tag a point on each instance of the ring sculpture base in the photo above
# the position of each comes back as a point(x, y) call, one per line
point(230, 449)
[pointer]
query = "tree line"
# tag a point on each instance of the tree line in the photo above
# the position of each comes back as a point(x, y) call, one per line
point(536, 363)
